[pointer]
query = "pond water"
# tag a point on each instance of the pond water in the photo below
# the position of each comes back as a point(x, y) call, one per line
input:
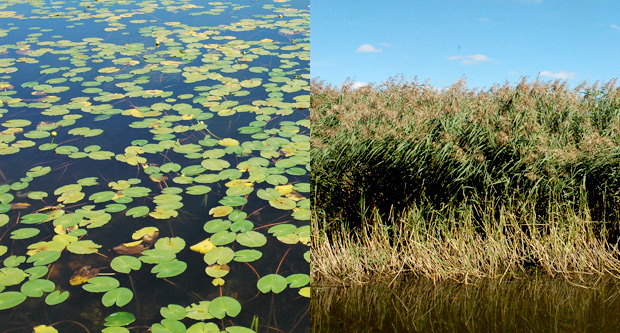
point(154, 166)
point(416, 305)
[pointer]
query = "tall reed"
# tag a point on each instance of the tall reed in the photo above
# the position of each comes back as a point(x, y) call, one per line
point(464, 182)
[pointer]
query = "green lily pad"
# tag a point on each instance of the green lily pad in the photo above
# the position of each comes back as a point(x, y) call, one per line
point(138, 211)
point(100, 284)
point(168, 269)
point(156, 256)
point(119, 319)
point(44, 257)
point(11, 276)
point(220, 255)
point(124, 264)
point(33, 218)
point(172, 244)
point(199, 311)
point(10, 299)
point(222, 306)
point(233, 201)
point(83, 247)
point(216, 225)
point(24, 233)
point(36, 288)
point(298, 280)
point(120, 296)
point(38, 171)
point(247, 255)
point(251, 239)
point(223, 238)
point(173, 311)
point(271, 282)
point(56, 297)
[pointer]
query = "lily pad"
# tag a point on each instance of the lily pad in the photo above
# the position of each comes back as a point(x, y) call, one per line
point(56, 297)
point(120, 296)
point(36, 288)
point(124, 264)
point(272, 282)
point(222, 306)
point(119, 319)
point(10, 299)
point(169, 268)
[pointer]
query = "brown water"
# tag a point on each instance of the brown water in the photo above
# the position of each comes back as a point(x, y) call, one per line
point(533, 304)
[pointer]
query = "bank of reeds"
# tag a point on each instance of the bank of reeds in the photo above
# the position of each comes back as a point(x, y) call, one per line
point(459, 184)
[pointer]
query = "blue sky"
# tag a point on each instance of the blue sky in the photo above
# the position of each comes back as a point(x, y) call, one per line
point(486, 41)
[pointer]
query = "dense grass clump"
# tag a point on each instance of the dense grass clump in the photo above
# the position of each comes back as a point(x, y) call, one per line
point(401, 144)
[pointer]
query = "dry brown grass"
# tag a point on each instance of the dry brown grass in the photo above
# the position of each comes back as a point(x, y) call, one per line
point(453, 248)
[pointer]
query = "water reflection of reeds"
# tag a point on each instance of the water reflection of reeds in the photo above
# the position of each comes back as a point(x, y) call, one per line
point(418, 305)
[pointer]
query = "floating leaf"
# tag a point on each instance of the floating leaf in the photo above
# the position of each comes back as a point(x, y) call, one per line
point(223, 238)
point(36, 288)
point(298, 280)
point(169, 268)
point(24, 233)
point(217, 271)
point(82, 275)
point(172, 244)
point(120, 296)
point(44, 258)
point(271, 282)
point(44, 329)
point(124, 264)
point(247, 255)
point(156, 256)
point(138, 211)
point(203, 247)
point(199, 311)
point(9, 299)
point(83, 247)
point(101, 284)
point(11, 276)
point(233, 201)
point(216, 225)
point(33, 218)
point(220, 211)
point(224, 305)
point(251, 239)
point(220, 255)
point(146, 231)
point(56, 297)
point(227, 142)
point(119, 319)
point(173, 311)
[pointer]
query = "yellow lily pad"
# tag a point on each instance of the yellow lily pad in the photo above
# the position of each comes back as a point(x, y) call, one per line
point(203, 247)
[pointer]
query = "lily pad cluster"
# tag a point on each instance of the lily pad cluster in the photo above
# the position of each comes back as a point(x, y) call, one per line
point(147, 123)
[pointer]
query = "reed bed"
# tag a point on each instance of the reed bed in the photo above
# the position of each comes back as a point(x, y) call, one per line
point(461, 184)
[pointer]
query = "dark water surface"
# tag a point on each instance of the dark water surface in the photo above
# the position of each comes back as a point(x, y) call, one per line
point(528, 305)
point(189, 118)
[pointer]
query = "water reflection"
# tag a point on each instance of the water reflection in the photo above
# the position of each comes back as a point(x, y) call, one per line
point(530, 305)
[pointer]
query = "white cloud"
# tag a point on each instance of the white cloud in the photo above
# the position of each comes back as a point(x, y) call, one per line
point(367, 48)
point(386, 44)
point(558, 75)
point(358, 84)
point(484, 20)
point(473, 59)
point(613, 26)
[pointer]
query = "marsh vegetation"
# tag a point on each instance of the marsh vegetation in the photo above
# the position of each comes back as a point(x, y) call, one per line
point(459, 184)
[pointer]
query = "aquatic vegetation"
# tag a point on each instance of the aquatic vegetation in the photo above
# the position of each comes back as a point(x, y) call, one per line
point(461, 184)
point(146, 156)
